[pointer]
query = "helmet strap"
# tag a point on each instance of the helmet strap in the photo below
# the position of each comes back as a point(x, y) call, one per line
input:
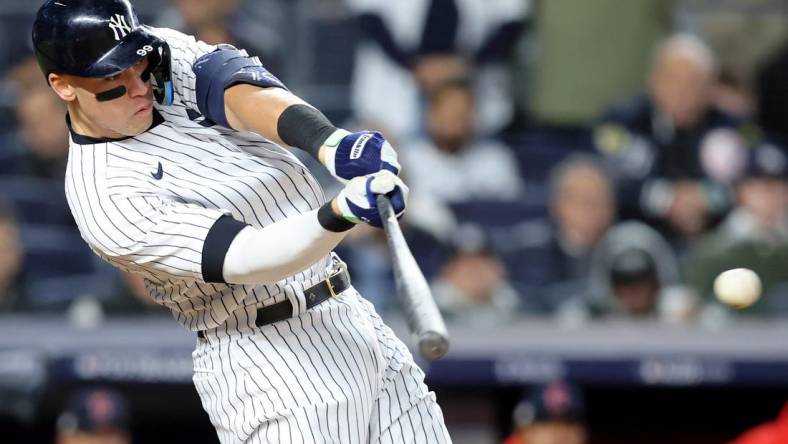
point(159, 68)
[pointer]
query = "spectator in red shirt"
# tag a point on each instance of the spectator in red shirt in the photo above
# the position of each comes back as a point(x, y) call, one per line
point(774, 432)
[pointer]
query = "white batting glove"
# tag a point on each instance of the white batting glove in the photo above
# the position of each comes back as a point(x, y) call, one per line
point(358, 200)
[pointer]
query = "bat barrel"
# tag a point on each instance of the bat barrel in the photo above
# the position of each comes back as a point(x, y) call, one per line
point(433, 345)
point(424, 319)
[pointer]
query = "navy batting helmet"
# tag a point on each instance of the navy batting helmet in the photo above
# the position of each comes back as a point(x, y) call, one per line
point(98, 38)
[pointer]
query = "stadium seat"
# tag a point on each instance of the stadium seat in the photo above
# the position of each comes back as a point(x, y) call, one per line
point(52, 251)
point(497, 214)
point(539, 150)
point(56, 294)
point(37, 201)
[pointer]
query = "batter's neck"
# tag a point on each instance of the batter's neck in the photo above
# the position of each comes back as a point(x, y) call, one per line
point(82, 125)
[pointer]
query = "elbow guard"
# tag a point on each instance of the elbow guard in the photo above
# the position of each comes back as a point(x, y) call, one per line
point(221, 69)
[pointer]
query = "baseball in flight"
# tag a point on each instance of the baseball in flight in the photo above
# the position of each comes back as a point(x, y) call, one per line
point(738, 288)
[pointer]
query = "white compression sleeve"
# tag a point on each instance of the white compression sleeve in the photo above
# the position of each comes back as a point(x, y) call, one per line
point(270, 254)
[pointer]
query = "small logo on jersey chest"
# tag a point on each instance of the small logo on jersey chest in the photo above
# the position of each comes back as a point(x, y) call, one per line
point(159, 173)
point(359, 146)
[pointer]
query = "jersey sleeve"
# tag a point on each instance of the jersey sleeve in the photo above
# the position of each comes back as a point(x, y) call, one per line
point(165, 239)
point(184, 51)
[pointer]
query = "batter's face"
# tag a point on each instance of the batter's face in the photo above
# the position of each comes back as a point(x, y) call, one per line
point(128, 115)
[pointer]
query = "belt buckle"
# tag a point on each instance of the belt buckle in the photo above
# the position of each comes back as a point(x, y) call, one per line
point(331, 287)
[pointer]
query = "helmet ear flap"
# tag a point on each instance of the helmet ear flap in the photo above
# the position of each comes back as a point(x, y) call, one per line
point(160, 68)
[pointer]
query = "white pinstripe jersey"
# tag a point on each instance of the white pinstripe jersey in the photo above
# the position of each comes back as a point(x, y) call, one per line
point(157, 227)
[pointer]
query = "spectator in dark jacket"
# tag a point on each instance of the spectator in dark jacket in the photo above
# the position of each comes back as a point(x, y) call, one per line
point(666, 146)
point(582, 209)
point(773, 96)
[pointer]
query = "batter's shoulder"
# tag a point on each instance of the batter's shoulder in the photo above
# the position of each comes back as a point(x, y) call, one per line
point(169, 34)
point(182, 46)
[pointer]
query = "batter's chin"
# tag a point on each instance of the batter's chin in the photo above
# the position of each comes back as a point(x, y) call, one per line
point(141, 121)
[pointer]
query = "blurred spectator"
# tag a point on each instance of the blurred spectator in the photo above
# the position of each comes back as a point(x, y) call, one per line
point(634, 275)
point(225, 21)
point(773, 96)
point(755, 233)
point(582, 208)
point(94, 416)
point(634, 283)
point(472, 285)
point(40, 146)
point(774, 432)
point(411, 45)
point(582, 204)
point(743, 34)
point(454, 164)
point(551, 414)
point(12, 288)
point(25, 75)
point(43, 134)
point(586, 55)
point(671, 148)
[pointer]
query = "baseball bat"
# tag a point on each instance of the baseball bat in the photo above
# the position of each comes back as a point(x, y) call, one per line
point(424, 319)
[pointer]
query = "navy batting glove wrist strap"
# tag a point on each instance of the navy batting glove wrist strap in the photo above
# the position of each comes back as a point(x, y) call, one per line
point(330, 221)
point(304, 127)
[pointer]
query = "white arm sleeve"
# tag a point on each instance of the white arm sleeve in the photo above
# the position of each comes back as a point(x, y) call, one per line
point(261, 256)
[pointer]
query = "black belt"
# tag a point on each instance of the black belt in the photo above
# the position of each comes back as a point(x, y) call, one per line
point(314, 295)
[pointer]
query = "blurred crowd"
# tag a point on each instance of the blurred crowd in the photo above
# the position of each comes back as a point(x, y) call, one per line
point(571, 160)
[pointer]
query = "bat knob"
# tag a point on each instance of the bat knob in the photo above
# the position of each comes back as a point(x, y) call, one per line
point(433, 345)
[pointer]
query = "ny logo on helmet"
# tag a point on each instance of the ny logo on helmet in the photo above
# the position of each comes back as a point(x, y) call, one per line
point(119, 26)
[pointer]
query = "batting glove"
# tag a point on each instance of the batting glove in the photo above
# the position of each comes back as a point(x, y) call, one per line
point(358, 200)
point(348, 155)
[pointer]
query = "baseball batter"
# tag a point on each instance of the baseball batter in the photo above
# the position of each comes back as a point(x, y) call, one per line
point(176, 171)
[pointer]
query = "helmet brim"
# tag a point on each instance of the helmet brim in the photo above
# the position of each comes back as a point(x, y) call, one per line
point(129, 51)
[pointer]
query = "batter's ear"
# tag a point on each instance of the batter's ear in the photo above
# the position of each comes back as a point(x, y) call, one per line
point(62, 87)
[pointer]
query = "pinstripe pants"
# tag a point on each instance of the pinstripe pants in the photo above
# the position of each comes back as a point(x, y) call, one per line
point(334, 374)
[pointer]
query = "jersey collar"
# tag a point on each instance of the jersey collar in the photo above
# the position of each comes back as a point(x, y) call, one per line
point(88, 140)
